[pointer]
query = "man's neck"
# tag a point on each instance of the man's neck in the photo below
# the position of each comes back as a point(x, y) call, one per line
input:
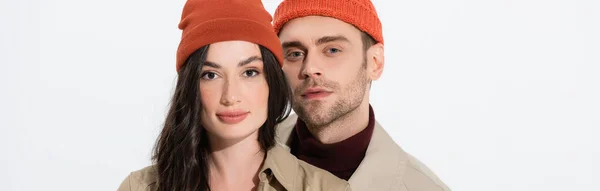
point(235, 165)
point(352, 149)
point(343, 127)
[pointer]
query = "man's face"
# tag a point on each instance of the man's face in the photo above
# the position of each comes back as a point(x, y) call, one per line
point(326, 65)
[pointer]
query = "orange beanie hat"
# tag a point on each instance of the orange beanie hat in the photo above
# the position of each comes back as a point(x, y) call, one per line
point(360, 13)
point(208, 21)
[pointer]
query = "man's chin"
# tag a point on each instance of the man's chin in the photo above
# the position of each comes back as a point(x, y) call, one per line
point(313, 107)
point(314, 104)
point(314, 116)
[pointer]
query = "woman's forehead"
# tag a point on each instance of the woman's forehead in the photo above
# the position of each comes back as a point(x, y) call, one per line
point(233, 53)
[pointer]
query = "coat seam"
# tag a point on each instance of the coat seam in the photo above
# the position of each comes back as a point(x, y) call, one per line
point(298, 168)
point(429, 178)
point(400, 173)
point(141, 182)
point(129, 181)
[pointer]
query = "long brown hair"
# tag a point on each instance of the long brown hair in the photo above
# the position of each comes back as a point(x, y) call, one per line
point(182, 149)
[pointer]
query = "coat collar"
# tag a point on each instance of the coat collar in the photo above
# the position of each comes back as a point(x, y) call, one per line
point(281, 165)
point(283, 131)
point(382, 167)
point(383, 164)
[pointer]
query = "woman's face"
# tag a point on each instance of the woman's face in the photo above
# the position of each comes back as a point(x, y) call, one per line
point(234, 90)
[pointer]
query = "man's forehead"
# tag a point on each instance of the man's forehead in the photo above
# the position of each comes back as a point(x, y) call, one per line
point(312, 28)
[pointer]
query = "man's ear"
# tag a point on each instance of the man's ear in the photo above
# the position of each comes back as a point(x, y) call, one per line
point(375, 61)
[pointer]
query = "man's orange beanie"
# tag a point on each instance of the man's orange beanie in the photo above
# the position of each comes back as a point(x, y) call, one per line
point(208, 21)
point(360, 13)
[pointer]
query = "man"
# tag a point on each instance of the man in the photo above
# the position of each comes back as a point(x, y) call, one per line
point(332, 52)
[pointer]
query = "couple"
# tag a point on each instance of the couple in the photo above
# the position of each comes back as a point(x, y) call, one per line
point(228, 127)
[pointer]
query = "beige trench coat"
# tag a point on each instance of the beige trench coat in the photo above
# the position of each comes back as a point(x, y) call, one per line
point(385, 166)
point(280, 171)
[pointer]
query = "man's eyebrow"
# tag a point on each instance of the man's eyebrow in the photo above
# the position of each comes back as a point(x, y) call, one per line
point(327, 39)
point(293, 44)
point(322, 40)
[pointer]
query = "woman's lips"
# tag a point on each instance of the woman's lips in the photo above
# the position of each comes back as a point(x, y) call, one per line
point(232, 117)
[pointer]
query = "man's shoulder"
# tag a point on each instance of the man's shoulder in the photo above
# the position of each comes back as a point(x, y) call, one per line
point(407, 170)
point(417, 176)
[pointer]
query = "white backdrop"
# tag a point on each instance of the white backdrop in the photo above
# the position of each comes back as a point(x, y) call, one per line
point(491, 95)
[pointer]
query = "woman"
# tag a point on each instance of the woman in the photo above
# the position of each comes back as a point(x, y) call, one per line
point(230, 94)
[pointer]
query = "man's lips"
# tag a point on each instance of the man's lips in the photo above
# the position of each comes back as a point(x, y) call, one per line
point(315, 93)
point(232, 117)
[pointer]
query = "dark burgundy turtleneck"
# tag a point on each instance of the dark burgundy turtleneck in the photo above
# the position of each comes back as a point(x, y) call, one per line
point(341, 158)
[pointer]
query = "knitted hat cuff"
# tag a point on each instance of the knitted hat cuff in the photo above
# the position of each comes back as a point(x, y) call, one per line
point(246, 30)
point(350, 11)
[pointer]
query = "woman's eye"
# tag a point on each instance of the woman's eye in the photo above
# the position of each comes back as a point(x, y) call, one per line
point(250, 73)
point(209, 75)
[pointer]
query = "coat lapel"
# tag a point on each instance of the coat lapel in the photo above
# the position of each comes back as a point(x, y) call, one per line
point(381, 169)
point(284, 131)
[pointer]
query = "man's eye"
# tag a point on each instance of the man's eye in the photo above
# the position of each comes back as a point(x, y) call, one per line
point(333, 50)
point(295, 54)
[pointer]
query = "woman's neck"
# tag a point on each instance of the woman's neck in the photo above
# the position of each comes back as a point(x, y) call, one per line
point(234, 165)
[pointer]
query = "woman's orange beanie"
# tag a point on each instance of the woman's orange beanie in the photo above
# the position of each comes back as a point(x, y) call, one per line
point(360, 13)
point(208, 21)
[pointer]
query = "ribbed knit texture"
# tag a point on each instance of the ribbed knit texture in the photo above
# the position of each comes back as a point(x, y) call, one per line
point(208, 21)
point(360, 13)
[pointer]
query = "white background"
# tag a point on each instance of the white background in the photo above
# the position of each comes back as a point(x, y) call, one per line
point(491, 95)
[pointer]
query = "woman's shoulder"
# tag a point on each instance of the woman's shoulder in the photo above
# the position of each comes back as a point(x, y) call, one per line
point(140, 180)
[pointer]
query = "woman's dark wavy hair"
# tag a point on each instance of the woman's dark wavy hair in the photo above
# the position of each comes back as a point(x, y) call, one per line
point(181, 151)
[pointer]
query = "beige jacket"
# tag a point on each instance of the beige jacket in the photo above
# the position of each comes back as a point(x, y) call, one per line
point(280, 171)
point(385, 166)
